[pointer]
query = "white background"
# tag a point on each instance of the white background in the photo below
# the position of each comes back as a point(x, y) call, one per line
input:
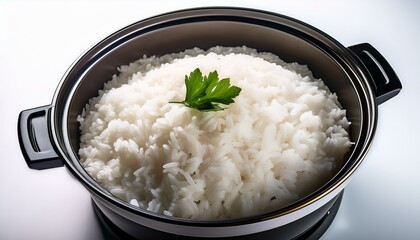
point(40, 39)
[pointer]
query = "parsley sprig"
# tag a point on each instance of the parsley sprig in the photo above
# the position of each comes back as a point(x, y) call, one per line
point(205, 92)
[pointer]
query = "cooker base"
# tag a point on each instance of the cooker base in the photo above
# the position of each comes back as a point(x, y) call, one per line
point(112, 232)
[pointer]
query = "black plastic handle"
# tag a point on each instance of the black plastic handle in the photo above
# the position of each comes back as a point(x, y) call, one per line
point(35, 139)
point(385, 81)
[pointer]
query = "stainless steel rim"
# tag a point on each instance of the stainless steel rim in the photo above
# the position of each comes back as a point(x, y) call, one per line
point(248, 225)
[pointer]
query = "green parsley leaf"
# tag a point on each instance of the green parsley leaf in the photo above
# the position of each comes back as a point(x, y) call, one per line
point(205, 92)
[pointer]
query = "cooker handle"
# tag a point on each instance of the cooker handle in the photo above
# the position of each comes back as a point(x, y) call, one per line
point(385, 81)
point(35, 139)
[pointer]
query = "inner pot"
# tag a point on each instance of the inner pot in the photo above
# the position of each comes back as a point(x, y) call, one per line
point(291, 40)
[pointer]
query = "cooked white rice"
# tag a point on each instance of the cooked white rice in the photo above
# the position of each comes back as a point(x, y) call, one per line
point(282, 138)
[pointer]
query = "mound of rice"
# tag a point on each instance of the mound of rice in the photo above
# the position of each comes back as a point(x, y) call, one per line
point(282, 138)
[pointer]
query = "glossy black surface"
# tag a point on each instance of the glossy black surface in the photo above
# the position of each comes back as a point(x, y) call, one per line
point(311, 232)
point(35, 139)
point(385, 81)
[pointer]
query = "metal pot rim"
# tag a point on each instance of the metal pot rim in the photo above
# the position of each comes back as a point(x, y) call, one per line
point(281, 216)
